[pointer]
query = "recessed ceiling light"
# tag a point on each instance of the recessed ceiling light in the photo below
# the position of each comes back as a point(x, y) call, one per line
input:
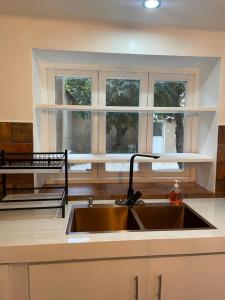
point(152, 4)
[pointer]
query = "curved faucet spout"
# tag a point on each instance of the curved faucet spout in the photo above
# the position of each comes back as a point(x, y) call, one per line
point(131, 196)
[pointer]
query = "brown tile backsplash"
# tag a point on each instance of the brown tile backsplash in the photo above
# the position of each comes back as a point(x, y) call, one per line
point(220, 188)
point(17, 137)
point(220, 172)
point(16, 147)
point(221, 153)
point(220, 166)
point(5, 132)
point(221, 134)
point(22, 132)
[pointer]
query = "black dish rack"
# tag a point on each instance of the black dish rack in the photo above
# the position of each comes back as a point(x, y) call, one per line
point(29, 198)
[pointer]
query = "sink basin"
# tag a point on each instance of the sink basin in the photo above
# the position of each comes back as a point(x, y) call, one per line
point(102, 218)
point(165, 216)
point(160, 216)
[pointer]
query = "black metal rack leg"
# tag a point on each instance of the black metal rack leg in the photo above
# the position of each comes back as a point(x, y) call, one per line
point(4, 185)
point(63, 211)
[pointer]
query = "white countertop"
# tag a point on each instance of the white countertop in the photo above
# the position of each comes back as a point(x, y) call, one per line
point(39, 235)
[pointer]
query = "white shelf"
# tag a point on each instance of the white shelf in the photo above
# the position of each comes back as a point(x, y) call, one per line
point(26, 205)
point(124, 158)
point(29, 171)
point(33, 196)
point(125, 109)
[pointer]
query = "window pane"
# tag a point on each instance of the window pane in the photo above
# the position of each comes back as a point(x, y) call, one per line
point(73, 131)
point(157, 128)
point(73, 90)
point(120, 167)
point(170, 93)
point(121, 128)
point(168, 128)
point(80, 167)
point(121, 132)
point(168, 167)
point(170, 139)
point(122, 92)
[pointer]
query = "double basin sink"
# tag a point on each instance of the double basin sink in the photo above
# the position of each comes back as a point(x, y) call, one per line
point(109, 218)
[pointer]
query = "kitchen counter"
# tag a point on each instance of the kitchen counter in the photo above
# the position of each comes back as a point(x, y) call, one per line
point(39, 236)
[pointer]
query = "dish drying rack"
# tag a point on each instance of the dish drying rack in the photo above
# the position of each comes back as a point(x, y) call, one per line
point(30, 198)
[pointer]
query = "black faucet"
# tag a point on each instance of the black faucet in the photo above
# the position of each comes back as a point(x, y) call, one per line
point(131, 196)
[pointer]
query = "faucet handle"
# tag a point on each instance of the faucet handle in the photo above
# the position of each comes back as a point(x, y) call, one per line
point(90, 202)
point(132, 199)
point(121, 202)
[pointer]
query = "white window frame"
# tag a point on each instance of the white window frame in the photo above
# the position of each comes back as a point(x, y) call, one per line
point(51, 74)
point(97, 174)
point(191, 100)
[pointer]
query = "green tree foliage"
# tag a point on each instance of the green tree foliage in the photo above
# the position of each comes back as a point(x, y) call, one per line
point(121, 92)
point(78, 91)
point(169, 94)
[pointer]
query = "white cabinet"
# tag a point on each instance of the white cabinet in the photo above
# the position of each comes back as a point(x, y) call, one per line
point(169, 278)
point(4, 282)
point(186, 278)
point(92, 280)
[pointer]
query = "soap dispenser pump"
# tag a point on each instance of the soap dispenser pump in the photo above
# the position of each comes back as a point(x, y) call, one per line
point(175, 195)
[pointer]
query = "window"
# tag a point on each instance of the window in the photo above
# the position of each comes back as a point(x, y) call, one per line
point(73, 129)
point(117, 113)
point(123, 131)
point(172, 130)
point(122, 128)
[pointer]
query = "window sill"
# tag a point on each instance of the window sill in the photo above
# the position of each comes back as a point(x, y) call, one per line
point(125, 158)
point(187, 109)
point(153, 190)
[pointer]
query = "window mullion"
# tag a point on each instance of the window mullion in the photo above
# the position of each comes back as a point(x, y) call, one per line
point(94, 132)
point(102, 133)
point(102, 115)
point(149, 136)
point(94, 115)
point(149, 133)
point(142, 143)
point(143, 123)
point(51, 132)
point(142, 131)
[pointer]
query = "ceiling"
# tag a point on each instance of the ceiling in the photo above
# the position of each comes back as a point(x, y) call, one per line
point(202, 14)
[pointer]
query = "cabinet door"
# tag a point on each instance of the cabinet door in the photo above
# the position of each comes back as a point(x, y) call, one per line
point(4, 282)
point(93, 280)
point(186, 278)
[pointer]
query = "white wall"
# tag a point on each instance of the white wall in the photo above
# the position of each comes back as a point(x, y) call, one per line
point(20, 35)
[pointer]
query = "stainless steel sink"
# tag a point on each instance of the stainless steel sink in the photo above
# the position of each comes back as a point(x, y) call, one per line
point(167, 217)
point(101, 218)
point(106, 218)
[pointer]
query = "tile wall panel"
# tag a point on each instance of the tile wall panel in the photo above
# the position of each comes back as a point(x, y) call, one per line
point(220, 170)
point(17, 137)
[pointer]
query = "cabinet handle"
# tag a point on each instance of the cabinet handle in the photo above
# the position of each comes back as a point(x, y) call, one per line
point(136, 288)
point(159, 287)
